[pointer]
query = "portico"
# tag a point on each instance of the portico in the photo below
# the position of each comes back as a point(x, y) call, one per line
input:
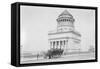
point(58, 44)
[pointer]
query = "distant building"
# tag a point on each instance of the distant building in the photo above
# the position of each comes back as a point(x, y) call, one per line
point(65, 37)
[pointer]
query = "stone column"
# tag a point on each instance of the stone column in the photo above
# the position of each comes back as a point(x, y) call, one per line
point(64, 44)
point(50, 44)
point(60, 44)
point(57, 44)
point(53, 44)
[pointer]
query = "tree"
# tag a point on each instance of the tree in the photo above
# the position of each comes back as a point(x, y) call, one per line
point(91, 49)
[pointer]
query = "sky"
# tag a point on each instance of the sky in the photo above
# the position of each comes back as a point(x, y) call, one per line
point(37, 21)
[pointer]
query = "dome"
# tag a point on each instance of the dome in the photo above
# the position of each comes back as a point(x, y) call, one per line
point(65, 16)
point(65, 13)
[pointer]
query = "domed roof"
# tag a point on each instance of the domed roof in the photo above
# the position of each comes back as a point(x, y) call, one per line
point(65, 13)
